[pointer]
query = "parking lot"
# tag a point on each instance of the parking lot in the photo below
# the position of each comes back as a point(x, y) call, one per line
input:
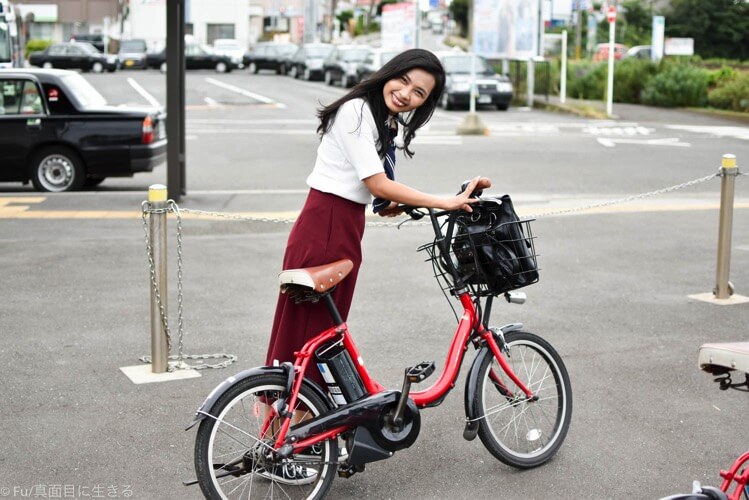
point(613, 296)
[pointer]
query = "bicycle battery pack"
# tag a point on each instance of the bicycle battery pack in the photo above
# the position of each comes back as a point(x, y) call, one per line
point(338, 371)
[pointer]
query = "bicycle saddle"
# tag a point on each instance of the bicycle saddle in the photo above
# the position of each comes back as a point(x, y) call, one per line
point(722, 357)
point(318, 278)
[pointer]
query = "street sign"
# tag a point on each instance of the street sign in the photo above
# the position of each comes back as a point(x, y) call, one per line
point(611, 14)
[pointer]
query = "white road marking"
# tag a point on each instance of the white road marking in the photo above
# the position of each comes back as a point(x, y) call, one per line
point(670, 141)
point(737, 132)
point(144, 93)
point(246, 93)
point(211, 102)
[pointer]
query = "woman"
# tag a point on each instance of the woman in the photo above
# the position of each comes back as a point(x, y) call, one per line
point(355, 161)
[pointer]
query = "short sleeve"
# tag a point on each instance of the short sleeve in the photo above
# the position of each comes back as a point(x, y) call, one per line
point(355, 131)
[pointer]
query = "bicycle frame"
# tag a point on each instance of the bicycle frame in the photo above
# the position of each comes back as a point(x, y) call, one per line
point(469, 322)
point(735, 474)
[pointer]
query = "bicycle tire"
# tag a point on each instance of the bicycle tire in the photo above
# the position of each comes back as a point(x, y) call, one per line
point(228, 447)
point(522, 433)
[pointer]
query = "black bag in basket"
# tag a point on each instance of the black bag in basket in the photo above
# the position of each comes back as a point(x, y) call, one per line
point(491, 247)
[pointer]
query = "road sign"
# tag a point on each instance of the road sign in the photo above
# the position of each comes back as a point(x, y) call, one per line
point(611, 14)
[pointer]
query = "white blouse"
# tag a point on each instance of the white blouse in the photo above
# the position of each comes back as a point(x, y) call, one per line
point(348, 154)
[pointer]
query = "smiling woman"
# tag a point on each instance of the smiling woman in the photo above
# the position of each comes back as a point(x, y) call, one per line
point(356, 161)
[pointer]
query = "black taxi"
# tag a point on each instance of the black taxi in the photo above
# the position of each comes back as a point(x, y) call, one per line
point(57, 131)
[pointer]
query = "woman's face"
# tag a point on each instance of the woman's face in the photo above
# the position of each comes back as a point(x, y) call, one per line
point(409, 91)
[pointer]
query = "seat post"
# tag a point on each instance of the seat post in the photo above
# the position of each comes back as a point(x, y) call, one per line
point(333, 309)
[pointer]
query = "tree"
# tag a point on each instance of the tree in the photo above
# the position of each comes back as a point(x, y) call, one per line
point(720, 28)
point(459, 10)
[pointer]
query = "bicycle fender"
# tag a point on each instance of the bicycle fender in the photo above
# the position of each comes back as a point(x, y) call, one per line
point(471, 393)
point(472, 380)
point(224, 386)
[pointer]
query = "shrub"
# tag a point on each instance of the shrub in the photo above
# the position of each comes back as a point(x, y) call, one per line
point(677, 85)
point(731, 94)
point(586, 80)
point(630, 78)
point(36, 46)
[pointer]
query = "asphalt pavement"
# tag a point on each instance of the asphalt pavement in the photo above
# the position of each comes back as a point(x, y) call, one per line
point(613, 298)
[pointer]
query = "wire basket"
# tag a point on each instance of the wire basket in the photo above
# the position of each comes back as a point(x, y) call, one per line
point(490, 258)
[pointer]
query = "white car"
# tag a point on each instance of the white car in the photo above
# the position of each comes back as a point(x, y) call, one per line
point(231, 48)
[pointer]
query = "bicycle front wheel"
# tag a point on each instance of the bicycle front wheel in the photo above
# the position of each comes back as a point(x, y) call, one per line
point(520, 432)
point(234, 449)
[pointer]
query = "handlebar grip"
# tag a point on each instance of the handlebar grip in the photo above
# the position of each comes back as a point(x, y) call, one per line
point(413, 212)
point(476, 193)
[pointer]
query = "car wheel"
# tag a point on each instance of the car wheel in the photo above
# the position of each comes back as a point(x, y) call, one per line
point(294, 72)
point(253, 68)
point(345, 82)
point(47, 65)
point(328, 78)
point(57, 169)
point(221, 67)
point(445, 101)
point(163, 67)
point(97, 67)
point(307, 74)
point(502, 107)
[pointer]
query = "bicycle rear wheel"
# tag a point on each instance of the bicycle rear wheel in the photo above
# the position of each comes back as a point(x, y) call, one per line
point(520, 432)
point(233, 456)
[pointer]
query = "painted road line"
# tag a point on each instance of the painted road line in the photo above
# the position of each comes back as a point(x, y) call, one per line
point(246, 93)
point(144, 93)
point(720, 131)
point(670, 141)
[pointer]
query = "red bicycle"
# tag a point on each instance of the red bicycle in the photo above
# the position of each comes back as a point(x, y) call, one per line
point(270, 432)
point(723, 360)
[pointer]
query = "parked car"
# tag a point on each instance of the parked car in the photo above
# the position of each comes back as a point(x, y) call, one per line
point(602, 52)
point(270, 55)
point(132, 54)
point(95, 39)
point(375, 59)
point(493, 89)
point(58, 132)
point(74, 55)
point(340, 66)
point(231, 48)
point(640, 52)
point(307, 62)
point(196, 57)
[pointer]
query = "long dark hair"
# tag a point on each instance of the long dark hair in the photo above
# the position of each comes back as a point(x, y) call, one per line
point(371, 91)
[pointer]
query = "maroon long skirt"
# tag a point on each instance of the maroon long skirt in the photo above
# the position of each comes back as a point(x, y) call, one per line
point(329, 228)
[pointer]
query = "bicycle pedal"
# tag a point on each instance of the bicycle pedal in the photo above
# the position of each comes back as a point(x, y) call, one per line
point(420, 372)
point(346, 471)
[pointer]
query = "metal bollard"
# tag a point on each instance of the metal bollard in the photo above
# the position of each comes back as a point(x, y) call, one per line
point(157, 199)
point(728, 172)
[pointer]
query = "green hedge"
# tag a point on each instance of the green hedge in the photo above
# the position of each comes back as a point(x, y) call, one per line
point(36, 46)
point(677, 84)
point(731, 94)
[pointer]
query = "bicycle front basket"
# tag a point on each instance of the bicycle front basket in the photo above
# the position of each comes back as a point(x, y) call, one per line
point(493, 248)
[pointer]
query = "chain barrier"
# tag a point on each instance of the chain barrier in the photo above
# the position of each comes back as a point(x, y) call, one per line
point(172, 207)
point(180, 356)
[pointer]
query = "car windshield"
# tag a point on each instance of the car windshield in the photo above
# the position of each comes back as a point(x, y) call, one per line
point(83, 92)
point(462, 64)
point(386, 56)
point(354, 55)
point(133, 46)
point(87, 47)
point(227, 45)
point(318, 52)
point(287, 50)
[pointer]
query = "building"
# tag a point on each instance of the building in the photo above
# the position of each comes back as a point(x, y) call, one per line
point(57, 20)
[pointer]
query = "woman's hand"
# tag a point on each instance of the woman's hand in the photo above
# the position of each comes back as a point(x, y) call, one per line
point(393, 210)
point(463, 200)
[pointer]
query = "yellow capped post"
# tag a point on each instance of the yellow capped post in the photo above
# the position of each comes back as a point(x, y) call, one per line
point(157, 193)
point(729, 161)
